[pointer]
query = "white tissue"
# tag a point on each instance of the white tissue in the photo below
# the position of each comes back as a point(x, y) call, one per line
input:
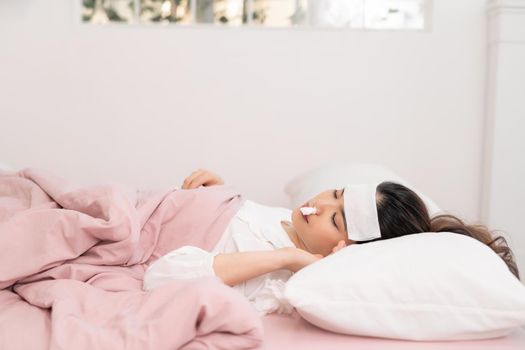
point(308, 210)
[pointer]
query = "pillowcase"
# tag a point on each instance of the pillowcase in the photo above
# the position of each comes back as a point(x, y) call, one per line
point(427, 286)
point(336, 175)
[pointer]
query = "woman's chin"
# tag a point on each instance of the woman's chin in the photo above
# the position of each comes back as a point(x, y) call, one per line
point(298, 218)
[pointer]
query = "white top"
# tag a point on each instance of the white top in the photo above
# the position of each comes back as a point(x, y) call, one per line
point(254, 227)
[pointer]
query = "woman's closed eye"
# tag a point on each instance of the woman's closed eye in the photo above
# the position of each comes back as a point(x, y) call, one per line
point(333, 220)
point(333, 216)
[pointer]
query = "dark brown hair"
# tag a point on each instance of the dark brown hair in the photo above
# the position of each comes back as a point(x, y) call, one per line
point(402, 212)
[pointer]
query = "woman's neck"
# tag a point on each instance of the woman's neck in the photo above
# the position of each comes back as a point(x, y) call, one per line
point(292, 234)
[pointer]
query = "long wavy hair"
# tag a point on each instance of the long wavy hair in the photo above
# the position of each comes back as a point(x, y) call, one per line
point(402, 212)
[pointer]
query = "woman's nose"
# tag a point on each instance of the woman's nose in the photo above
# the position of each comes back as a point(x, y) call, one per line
point(323, 204)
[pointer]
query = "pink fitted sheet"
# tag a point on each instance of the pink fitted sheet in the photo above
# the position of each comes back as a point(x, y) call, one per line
point(292, 332)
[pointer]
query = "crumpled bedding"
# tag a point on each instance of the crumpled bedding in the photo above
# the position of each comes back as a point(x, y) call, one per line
point(72, 261)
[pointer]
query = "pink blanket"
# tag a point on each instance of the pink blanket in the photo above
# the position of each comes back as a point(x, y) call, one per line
point(73, 260)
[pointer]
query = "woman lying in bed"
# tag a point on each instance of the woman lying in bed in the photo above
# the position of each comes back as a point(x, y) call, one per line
point(263, 246)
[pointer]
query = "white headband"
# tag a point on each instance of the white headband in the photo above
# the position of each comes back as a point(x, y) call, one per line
point(361, 212)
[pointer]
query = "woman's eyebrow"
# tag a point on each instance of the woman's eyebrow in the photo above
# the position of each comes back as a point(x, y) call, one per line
point(343, 212)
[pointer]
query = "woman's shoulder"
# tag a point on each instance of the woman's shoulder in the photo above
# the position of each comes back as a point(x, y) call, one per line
point(264, 216)
point(254, 212)
point(267, 210)
point(266, 221)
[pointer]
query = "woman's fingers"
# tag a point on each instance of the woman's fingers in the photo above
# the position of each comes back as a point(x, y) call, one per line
point(340, 245)
point(201, 177)
point(187, 182)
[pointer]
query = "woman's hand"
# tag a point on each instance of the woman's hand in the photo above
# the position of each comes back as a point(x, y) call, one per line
point(296, 258)
point(201, 177)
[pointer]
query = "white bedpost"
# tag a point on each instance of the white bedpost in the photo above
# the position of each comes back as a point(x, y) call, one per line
point(503, 192)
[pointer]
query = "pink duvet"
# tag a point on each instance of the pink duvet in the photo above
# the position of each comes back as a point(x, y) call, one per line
point(73, 260)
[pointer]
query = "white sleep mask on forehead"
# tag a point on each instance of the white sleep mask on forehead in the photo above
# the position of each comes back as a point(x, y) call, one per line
point(362, 222)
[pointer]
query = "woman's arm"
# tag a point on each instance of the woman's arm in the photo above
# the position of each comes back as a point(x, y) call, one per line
point(235, 268)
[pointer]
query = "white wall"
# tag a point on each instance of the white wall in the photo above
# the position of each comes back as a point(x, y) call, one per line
point(147, 105)
point(503, 202)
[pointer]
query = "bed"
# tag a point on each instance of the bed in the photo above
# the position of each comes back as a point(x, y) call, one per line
point(292, 332)
point(92, 302)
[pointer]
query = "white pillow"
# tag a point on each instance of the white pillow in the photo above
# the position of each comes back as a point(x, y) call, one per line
point(426, 286)
point(309, 184)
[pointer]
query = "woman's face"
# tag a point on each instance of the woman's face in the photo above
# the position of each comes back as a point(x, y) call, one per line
point(324, 231)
